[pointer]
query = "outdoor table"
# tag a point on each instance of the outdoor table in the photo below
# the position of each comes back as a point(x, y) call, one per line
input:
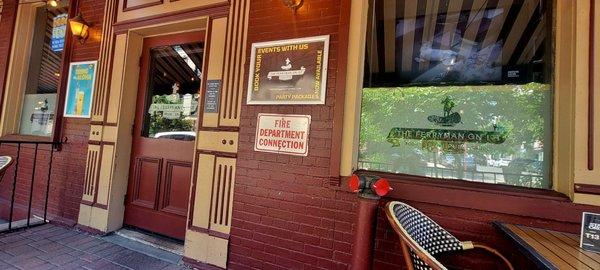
point(550, 249)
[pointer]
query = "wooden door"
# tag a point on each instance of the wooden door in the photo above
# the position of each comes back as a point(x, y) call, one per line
point(164, 133)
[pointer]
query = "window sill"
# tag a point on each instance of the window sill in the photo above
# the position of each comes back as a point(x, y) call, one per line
point(464, 185)
point(25, 138)
point(503, 201)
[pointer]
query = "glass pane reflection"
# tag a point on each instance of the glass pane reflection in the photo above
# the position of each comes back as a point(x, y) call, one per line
point(172, 98)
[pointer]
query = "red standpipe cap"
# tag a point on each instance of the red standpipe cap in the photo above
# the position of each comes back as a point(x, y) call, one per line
point(354, 183)
point(382, 187)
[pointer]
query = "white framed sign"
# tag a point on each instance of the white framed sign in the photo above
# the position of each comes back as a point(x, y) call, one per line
point(282, 134)
point(80, 89)
point(292, 71)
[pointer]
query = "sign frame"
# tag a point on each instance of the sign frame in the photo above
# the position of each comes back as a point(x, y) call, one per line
point(595, 249)
point(303, 154)
point(324, 69)
point(69, 91)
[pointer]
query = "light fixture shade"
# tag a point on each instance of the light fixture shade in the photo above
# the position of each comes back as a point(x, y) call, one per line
point(52, 3)
point(79, 27)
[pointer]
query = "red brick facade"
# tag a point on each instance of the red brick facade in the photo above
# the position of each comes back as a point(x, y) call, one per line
point(288, 216)
point(69, 164)
point(286, 212)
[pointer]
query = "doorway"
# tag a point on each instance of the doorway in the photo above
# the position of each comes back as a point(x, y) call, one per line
point(164, 133)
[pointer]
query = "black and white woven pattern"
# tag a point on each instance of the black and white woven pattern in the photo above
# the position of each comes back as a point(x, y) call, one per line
point(425, 232)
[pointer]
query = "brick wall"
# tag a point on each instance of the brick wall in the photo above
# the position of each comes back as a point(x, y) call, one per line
point(68, 171)
point(286, 215)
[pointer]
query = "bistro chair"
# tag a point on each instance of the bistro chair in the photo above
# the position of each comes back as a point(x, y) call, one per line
point(421, 238)
point(5, 162)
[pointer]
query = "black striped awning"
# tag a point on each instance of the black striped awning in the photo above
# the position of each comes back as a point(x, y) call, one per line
point(415, 36)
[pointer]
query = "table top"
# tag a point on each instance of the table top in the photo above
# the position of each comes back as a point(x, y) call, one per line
point(550, 249)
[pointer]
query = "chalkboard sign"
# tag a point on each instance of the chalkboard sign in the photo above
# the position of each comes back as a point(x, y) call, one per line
point(590, 232)
point(213, 90)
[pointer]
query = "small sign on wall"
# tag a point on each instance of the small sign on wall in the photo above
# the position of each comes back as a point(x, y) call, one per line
point(282, 134)
point(292, 71)
point(590, 232)
point(213, 93)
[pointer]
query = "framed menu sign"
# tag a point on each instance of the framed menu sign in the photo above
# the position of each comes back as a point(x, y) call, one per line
point(590, 232)
point(292, 71)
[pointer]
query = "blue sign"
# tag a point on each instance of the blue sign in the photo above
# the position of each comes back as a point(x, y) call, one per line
point(59, 31)
point(80, 89)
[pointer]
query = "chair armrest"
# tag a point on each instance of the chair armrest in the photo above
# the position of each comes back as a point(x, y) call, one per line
point(473, 245)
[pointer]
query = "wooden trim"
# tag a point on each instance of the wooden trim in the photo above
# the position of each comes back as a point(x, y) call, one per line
point(109, 73)
point(524, 247)
point(90, 230)
point(215, 10)
point(27, 138)
point(101, 206)
point(198, 265)
point(591, 85)
point(470, 186)
point(549, 206)
point(9, 50)
point(64, 76)
point(202, 90)
point(209, 232)
point(97, 174)
point(217, 153)
point(221, 128)
point(88, 203)
point(94, 142)
point(340, 83)
point(127, 8)
point(587, 189)
point(190, 215)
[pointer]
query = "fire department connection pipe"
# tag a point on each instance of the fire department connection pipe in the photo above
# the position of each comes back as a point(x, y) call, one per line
point(369, 189)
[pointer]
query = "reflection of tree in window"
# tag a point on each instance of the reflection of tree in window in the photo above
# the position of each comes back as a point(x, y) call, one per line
point(490, 57)
point(174, 83)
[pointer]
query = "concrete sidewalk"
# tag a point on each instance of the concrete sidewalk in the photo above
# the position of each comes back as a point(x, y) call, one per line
point(53, 247)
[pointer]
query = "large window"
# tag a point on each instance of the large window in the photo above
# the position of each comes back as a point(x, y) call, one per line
point(459, 89)
point(38, 110)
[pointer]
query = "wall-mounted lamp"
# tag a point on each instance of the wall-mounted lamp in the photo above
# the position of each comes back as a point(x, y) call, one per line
point(52, 3)
point(80, 28)
point(293, 4)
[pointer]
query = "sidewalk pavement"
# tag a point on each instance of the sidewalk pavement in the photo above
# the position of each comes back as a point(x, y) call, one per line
point(53, 247)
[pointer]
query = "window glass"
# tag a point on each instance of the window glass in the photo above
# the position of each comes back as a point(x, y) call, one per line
point(459, 90)
point(172, 96)
point(38, 112)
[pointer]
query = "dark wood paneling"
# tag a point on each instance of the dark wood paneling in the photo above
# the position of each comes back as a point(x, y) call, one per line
point(146, 182)
point(177, 182)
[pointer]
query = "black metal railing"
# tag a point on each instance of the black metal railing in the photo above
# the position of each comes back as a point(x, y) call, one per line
point(38, 147)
